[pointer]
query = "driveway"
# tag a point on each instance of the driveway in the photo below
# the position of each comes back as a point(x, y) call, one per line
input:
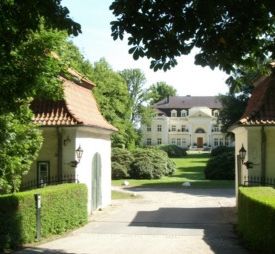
point(169, 221)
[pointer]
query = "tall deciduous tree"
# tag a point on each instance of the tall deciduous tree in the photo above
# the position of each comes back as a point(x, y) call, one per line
point(26, 70)
point(159, 91)
point(226, 32)
point(113, 97)
point(135, 80)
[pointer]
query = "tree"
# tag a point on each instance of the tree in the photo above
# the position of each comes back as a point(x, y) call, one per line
point(226, 33)
point(113, 98)
point(233, 107)
point(135, 81)
point(159, 91)
point(27, 36)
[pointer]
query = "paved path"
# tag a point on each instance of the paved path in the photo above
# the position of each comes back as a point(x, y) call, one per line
point(166, 221)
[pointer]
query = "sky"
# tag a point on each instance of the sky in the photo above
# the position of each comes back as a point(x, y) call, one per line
point(96, 42)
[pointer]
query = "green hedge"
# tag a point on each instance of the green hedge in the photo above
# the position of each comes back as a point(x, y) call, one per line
point(63, 207)
point(256, 218)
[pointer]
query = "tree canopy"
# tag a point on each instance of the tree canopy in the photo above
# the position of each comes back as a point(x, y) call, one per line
point(159, 91)
point(227, 33)
point(28, 33)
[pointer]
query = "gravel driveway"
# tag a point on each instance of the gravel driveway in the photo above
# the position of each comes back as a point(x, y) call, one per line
point(169, 221)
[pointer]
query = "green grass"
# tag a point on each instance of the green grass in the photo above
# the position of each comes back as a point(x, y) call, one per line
point(189, 169)
point(123, 195)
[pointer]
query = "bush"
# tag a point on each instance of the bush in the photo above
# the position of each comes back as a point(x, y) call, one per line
point(151, 164)
point(119, 171)
point(256, 217)
point(221, 167)
point(121, 161)
point(221, 149)
point(63, 207)
point(173, 151)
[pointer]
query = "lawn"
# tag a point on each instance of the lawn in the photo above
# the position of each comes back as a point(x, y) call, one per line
point(189, 169)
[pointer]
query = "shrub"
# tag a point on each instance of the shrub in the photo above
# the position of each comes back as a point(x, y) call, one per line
point(256, 217)
point(173, 151)
point(220, 167)
point(63, 207)
point(121, 161)
point(119, 171)
point(221, 149)
point(151, 164)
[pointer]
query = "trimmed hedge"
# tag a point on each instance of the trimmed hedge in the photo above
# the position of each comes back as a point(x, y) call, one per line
point(63, 207)
point(256, 218)
point(173, 151)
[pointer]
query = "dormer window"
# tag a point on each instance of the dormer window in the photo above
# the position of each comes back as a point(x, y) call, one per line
point(216, 113)
point(183, 113)
point(174, 113)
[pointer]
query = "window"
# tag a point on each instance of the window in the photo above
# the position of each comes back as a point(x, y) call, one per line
point(43, 172)
point(226, 141)
point(200, 130)
point(216, 128)
point(159, 142)
point(159, 128)
point(173, 141)
point(221, 141)
point(183, 128)
point(216, 113)
point(183, 113)
point(174, 128)
point(173, 113)
point(149, 128)
point(149, 141)
point(183, 141)
point(178, 142)
point(216, 141)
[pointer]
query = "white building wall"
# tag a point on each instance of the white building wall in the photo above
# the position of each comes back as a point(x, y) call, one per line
point(92, 143)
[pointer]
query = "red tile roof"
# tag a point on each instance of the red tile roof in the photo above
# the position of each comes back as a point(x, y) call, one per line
point(260, 109)
point(78, 107)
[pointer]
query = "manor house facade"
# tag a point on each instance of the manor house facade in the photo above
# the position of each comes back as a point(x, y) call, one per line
point(186, 121)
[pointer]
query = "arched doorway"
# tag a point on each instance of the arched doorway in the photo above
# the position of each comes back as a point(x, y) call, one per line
point(96, 182)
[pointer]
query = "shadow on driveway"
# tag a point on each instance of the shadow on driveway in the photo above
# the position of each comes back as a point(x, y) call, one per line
point(212, 223)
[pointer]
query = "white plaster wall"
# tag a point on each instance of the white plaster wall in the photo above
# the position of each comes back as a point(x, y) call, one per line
point(48, 152)
point(92, 143)
point(253, 149)
point(270, 151)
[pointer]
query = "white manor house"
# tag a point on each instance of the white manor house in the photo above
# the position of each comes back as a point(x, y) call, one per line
point(186, 121)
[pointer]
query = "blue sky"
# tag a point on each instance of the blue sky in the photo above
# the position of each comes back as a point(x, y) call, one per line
point(96, 42)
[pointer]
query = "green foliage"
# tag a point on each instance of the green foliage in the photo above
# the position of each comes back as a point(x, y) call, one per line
point(221, 149)
point(151, 164)
point(159, 91)
point(113, 98)
point(121, 161)
point(233, 107)
point(20, 141)
point(256, 218)
point(135, 81)
point(164, 30)
point(173, 151)
point(221, 166)
point(63, 207)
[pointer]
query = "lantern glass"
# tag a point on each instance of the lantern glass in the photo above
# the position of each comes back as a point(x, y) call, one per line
point(242, 153)
point(78, 153)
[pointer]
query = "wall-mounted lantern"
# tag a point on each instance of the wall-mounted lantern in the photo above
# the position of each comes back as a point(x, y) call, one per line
point(78, 154)
point(242, 154)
